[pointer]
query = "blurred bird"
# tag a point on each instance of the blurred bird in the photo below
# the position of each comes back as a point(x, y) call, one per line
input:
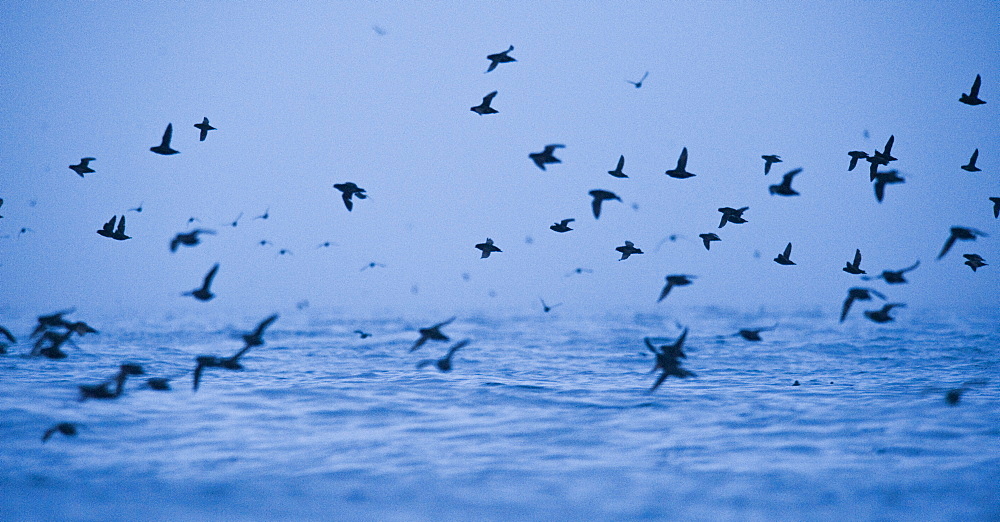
point(487, 248)
point(362, 334)
point(962, 233)
point(885, 178)
point(996, 206)
point(855, 267)
point(432, 333)
point(252, 339)
point(136, 209)
point(188, 238)
point(973, 97)
point(753, 334)
point(256, 337)
point(484, 107)
point(894, 277)
point(373, 264)
point(672, 281)
point(708, 238)
point(164, 146)
point(732, 215)
point(855, 156)
point(348, 190)
point(580, 271)
point(667, 360)
point(158, 383)
point(103, 390)
point(498, 58)
point(546, 156)
point(618, 170)
point(600, 196)
point(628, 249)
point(10, 337)
point(109, 229)
point(53, 320)
point(265, 215)
point(882, 316)
point(858, 294)
point(235, 223)
point(204, 127)
point(678, 171)
point(444, 364)
point(546, 308)
point(785, 187)
point(203, 293)
point(881, 158)
point(770, 159)
point(562, 226)
point(974, 261)
point(83, 167)
point(66, 428)
point(953, 396)
point(783, 258)
point(971, 166)
point(638, 84)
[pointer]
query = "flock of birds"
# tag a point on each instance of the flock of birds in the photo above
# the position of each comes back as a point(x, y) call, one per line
point(54, 331)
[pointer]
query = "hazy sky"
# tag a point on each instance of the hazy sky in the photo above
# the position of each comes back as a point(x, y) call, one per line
point(310, 94)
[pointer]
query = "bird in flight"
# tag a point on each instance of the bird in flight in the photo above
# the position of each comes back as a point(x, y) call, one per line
point(753, 334)
point(373, 264)
point(164, 146)
point(487, 248)
point(66, 428)
point(858, 294)
point(885, 178)
point(137, 209)
point(638, 84)
point(618, 170)
point(974, 261)
point(562, 226)
point(996, 206)
point(708, 238)
point(785, 187)
point(546, 308)
point(971, 166)
point(236, 222)
point(962, 233)
point(678, 171)
point(770, 159)
point(600, 196)
point(204, 127)
point(973, 97)
point(855, 156)
point(783, 258)
point(894, 277)
point(109, 229)
point(362, 334)
point(265, 215)
point(672, 281)
point(348, 190)
point(855, 266)
point(203, 293)
point(484, 107)
point(256, 337)
point(546, 156)
point(432, 333)
point(667, 360)
point(881, 158)
point(252, 339)
point(444, 364)
point(83, 167)
point(188, 238)
point(628, 249)
point(882, 316)
point(498, 58)
point(732, 215)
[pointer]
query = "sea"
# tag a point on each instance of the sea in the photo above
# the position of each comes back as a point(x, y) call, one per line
point(544, 416)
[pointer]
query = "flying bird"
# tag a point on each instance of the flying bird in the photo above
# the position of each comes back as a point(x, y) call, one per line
point(562, 226)
point(783, 258)
point(753, 334)
point(83, 167)
point(785, 187)
point(678, 171)
point(118, 233)
point(188, 238)
point(708, 238)
point(203, 293)
point(971, 166)
point(882, 316)
point(103, 390)
point(973, 97)
point(136, 209)
point(962, 233)
point(66, 428)
point(855, 266)
point(487, 248)
point(881, 158)
point(236, 222)
point(667, 360)
point(546, 308)
point(974, 261)
point(638, 84)
point(362, 334)
point(732, 215)
point(885, 178)
point(855, 156)
point(251, 339)
point(373, 264)
point(265, 215)
point(996, 206)
point(894, 277)
point(164, 146)
point(770, 159)
point(432, 333)
point(600, 196)
point(348, 190)
point(256, 337)
point(498, 58)
point(541, 158)
point(444, 364)
point(618, 170)
point(672, 281)
point(204, 127)
point(484, 107)
point(628, 249)
point(858, 294)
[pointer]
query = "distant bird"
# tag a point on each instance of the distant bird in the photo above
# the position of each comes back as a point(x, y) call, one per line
point(885, 178)
point(66, 428)
point(109, 229)
point(562, 226)
point(667, 360)
point(580, 271)
point(103, 390)
point(894, 277)
point(783, 258)
point(348, 190)
point(996, 206)
point(158, 383)
point(638, 84)
point(203, 293)
point(83, 167)
point(672, 281)
point(362, 334)
point(678, 171)
point(432, 333)
point(444, 364)
point(1, 204)
point(256, 337)
point(974, 261)
point(882, 316)
point(373, 264)
point(10, 337)
point(265, 215)
point(136, 209)
point(770, 159)
point(618, 170)
point(484, 107)
point(204, 127)
point(628, 249)
point(753, 334)
point(962, 233)
point(855, 156)
point(600, 196)
point(487, 248)
point(188, 238)
point(546, 308)
point(235, 223)
point(858, 294)
point(546, 156)
point(498, 58)
point(285, 251)
point(164, 146)
point(325, 244)
point(973, 97)
point(971, 166)
point(708, 238)
point(732, 215)
point(785, 187)
point(50, 344)
point(953, 396)
point(855, 266)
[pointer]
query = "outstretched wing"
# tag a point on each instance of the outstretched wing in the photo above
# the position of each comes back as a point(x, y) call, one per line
point(456, 347)
point(788, 250)
point(683, 159)
point(665, 291)
point(974, 91)
point(165, 142)
point(786, 180)
point(947, 245)
point(489, 98)
point(6, 333)
point(263, 324)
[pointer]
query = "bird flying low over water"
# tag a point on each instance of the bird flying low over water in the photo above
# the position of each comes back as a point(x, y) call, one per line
point(971, 166)
point(432, 333)
point(546, 156)
point(562, 226)
point(628, 249)
point(164, 146)
point(667, 360)
point(882, 316)
point(83, 167)
point(498, 58)
point(855, 266)
point(484, 107)
point(996, 207)
point(600, 196)
point(103, 390)
point(785, 187)
point(858, 294)
point(855, 156)
point(679, 171)
point(256, 337)
point(770, 159)
point(672, 281)
point(203, 293)
point(188, 238)
point(638, 84)
point(885, 178)
point(974, 261)
point(252, 339)
point(66, 428)
point(732, 215)
point(204, 127)
point(784, 257)
point(708, 238)
point(962, 233)
point(894, 277)
point(444, 364)
point(487, 248)
point(9, 336)
point(348, 190)
point(973, 97)
point(753, 334)
point(618, 170)
point(118, 233)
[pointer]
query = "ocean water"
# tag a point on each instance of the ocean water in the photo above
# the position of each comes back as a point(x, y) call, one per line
point(543, 417)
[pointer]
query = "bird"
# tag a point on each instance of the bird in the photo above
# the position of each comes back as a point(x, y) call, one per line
point(678, 171)
point(52, 350)
point(785, 187)
point(103, 390)
point(894, 277)
point(255, 338)
point(498, 58)
point(732, 215)
point(971, 166)
point(672, 281)
point(83, 167)
point(444, 364)
point(974, 261)
point(858, 294)
point(667, 360)
point(881, 158)
point(362, 334)
point(855, 266)
point(1, 204)
point(855, 156)
point(53, 320)
point(265, 215)
point(580, 271)
point(618, 170)
point(431, 333)
point(487, 248)
point(158, 383)
point(973, 97)
point(484, 107)
point(638, 84)
point(885, 178)
point(753, 334)
point(882, 315)
point(10, 337)
point(600, 196)
point(66, 428)
point(136, 209)
point(118, 233)
point(252, 339)
point(204, 127)
point(546, 308)
point(373, 264)
point(708, 238)
point(996, 206)
point(164, 146)
point(541, 158)
point(953, 396)
point(562, 226)
point(962, 233)
point(770, 159)
point(188, 238)
point(628, 249)
point(203, 293)
point(348, 190)
point(236, 222)
point(783, 258)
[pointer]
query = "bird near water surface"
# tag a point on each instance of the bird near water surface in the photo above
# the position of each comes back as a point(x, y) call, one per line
point(667, 360)
point(444, 364)
point(431, 333)
point(204, 293)
point(858, 294)
point(672, 281)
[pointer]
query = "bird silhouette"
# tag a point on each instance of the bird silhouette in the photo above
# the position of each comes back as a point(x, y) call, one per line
point(667, 360)
point(881, 158)
point(204, 127)
point(600, 196)
point(348, 190)
point(562, 226)
point(487, 248)
point(855, 156)
point(103, 390)
point(973, 97)
point(858, 294)
point(785, 187)
point(894, 277)
point(373, 264)
point(362, 334)
point(444, 364)
point(971, 166)
point(432, 333)
point(484, 107)
point(203, 293)
point(628, 249)
point(960, 233)
point(618, 170)
point(638, 84)
point(732, 215)
point(109, 229)
point(753, 334)
point(164, 146)
point(188, 238)
point(10, 337)
point(236, 222)
point(546, 156)
point(251, 340)
point(855, 266)
point(885, 178)
point(770, 159)
point(83, 167)
point(498, 58)
point(974, 261)
point(136, 209)
point(265, 215)
point(256, 337)
point(678, 171)
point(783, 258)
point(672, 281)
point(546, 308)
point(66, 428)
point(882, 315)
point(996, 206)
point(708, 238)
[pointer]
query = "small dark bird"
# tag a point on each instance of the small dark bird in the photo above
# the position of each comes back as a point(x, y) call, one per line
point(444, 364)
point(973, 97)
point(484, 107)
point(9, 336)
point(855, 267)
point(79, 328)
point(188, 238)
point(109, 229)
point(83, 167)
point(546, 308)
point(498, 58)
point(855, 156)
point(996, 206)
point(158, 383)
point(103, 390)
point(546, 156)
point(882, 316)
point(50, 344)
point(885, 178)
point(783, 258)
point(962, 233)
point(672, 281)
point(708, 238)
point(881, 158)
point(487, 248)
point(562, 226)
point(373, 264)
point(974, 261)
point(136, 209)
point(580, 271)
point(265, 215)
point(600, 196)
point(236, 222)
point(678, 171)
point(66, 428)
point(204, 127)
point(432, 333)
point(362, 334)
point(667, 360)
point(255, 338)
point(252, 339)
point(858, 294)
point(350, 189)
point(732, 215)
point(971, 167)
point(203, 293)
point(770, 159)
point(53, 320)
point(785, 187)
point(638, 84)
point(753, 334)
point(618, 170)
point(953, 396)
point(628, 249)
point(894, 277)
point(164, 146)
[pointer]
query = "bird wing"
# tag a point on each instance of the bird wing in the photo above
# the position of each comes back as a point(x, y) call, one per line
point(786, 180)
point(659, 380)
point(683, 159)
point(857, 257)
point(974, 91)
point(549, 149)
point(649, 344)
point(788, 250)
point(456, 347)
point(879, 189)
point(346, 196)
point(975, 155)
point(489, 98)
point(165, 142)
point(947, 245)
point(644, 76)
point(596, 207)
point(197, 375)
point(621, 163)
point(6, 333)
point(679, 345)
point(888, 146)
point(121, 226)
point(263, 324)
point(420, 342)
point(665, 291)
point(209, 276)
point(847, 306)
point(911, 267)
